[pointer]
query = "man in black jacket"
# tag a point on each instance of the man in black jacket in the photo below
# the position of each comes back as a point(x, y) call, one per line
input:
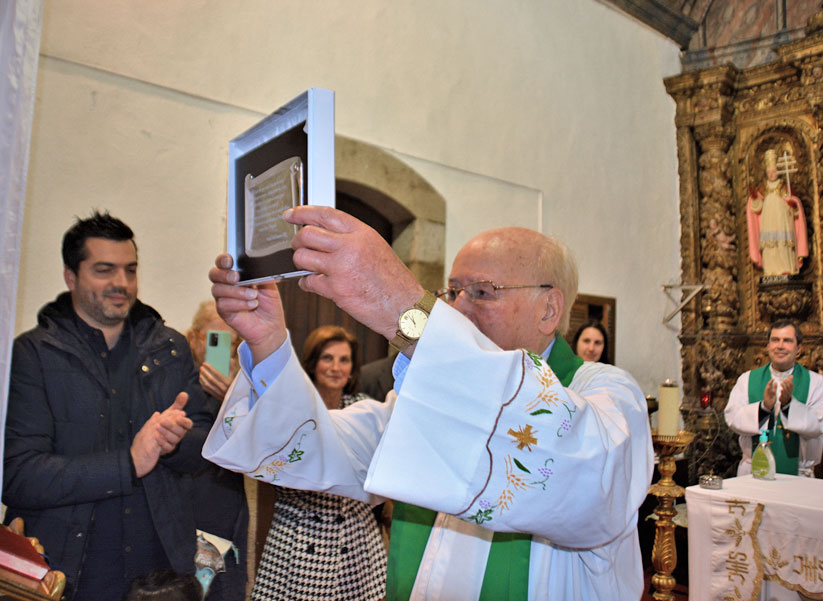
point(105, 422)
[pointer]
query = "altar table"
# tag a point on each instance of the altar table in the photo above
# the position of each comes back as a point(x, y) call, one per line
point(754, 534)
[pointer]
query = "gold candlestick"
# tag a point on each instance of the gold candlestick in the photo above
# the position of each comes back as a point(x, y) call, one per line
point(664, 553)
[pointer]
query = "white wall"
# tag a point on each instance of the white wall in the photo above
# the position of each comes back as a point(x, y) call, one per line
point(555, 106)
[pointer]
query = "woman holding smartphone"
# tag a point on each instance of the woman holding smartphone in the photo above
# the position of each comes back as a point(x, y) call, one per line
point(219, 500)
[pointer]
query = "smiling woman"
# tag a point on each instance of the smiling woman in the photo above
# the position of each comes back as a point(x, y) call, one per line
point(331, 357)
point(591, 342)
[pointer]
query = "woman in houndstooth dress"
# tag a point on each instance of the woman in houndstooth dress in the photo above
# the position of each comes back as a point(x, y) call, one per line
point(323, 547)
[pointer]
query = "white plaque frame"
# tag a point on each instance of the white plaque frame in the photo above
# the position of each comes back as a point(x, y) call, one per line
point(304, 126)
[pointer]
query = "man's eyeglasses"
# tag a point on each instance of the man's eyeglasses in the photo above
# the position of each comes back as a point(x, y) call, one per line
point(484, 290)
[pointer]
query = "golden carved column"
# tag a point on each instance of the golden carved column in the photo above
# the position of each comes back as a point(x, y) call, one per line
point(689, 222)
point(717, 228)
point(715, 344)
point(710, 334)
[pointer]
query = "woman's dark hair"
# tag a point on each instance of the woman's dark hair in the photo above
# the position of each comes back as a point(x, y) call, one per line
point(97, 226)
point(317, 341)
point(165, 585)
point(594, 323)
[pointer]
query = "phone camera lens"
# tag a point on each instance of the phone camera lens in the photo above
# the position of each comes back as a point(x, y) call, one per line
point(213, 340)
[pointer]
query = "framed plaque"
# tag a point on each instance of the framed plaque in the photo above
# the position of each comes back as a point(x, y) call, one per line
point(285, 160)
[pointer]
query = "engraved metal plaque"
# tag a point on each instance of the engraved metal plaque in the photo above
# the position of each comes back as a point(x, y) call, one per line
point(266, 197)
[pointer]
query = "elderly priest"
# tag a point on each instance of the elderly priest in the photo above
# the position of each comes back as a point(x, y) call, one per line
point(519, 468)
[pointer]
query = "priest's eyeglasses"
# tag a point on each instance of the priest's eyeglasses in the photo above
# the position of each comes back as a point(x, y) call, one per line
point(484, 290)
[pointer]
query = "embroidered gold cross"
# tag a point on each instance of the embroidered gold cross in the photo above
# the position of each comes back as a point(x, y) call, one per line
point(524, 437)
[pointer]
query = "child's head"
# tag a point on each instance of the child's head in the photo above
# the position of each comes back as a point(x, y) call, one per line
point(165, 585)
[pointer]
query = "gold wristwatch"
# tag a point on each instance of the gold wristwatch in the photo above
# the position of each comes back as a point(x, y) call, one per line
point(412, 321)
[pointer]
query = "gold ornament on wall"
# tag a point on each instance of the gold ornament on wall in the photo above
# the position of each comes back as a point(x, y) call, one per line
point(750, 154)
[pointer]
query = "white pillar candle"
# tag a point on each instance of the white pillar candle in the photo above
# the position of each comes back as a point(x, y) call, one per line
point(668, 408)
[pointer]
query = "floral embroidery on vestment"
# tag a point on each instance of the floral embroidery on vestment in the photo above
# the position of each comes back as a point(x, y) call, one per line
point(514, 483)
point(271, 467)
point(233, 415)
point(484, 512)
point(548, 394)
point(547, 411)
point(544, 471)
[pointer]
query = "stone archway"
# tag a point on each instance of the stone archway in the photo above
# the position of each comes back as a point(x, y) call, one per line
point(416, 210)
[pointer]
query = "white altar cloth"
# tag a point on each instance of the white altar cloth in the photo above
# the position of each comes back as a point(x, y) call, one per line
point(756, 532)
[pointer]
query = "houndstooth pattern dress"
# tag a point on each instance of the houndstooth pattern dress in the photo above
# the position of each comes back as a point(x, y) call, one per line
point(321, 547)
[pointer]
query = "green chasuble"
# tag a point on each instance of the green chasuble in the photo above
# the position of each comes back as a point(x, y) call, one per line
point(785, 444)
point(507, 567)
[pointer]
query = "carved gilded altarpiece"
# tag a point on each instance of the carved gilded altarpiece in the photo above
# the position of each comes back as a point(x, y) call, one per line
point(726, 119)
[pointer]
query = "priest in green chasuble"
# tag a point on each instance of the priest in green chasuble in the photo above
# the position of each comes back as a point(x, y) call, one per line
point(784, 398)
point(517, 469)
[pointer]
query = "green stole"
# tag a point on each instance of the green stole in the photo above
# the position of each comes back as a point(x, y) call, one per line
point(507, 567)
point(785, 445)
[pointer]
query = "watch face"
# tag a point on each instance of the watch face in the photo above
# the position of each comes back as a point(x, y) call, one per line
point(411, 323)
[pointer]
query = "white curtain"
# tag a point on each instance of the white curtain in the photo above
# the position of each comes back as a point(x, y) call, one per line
point(20, 25)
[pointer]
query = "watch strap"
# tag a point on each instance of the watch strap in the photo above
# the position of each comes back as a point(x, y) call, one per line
point(400, 341)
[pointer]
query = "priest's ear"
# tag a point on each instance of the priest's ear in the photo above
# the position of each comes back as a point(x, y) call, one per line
point(551, 305)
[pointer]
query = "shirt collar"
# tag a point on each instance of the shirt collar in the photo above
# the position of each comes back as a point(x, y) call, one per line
point(545, 354)
point(781, 375)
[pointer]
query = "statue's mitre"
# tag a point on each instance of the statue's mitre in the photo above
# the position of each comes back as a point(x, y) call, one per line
point(770, 158)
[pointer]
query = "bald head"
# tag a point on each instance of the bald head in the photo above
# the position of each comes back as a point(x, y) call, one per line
point(515, 246)
point(531, 257)
point(515, 256)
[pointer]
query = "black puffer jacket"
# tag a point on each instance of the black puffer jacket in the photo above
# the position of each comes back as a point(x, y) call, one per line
point(57, 463)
